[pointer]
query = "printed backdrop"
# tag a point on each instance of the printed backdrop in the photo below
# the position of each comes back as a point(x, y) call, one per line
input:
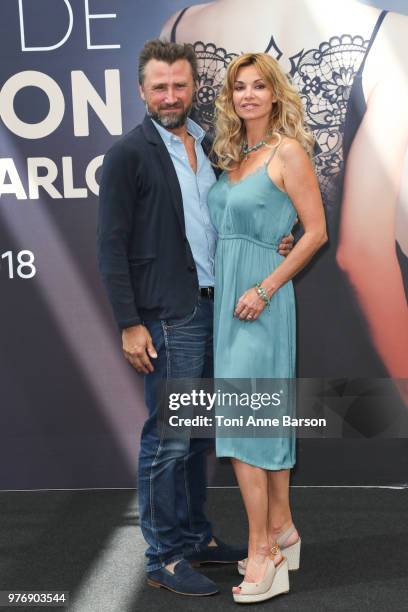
point(71, 407)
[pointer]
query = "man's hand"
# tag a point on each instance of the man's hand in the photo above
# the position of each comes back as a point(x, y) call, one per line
point(138, 347)
point(286, 245)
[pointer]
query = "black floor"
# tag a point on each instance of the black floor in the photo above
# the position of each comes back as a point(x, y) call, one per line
point(354, 551)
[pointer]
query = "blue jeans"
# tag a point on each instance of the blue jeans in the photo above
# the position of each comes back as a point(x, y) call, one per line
point(172, 479)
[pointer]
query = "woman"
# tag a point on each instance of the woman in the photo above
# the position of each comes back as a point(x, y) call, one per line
point(268, 180)
point(349, 62)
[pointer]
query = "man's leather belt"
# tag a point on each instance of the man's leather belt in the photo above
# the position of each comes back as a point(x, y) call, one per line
point(207, 292)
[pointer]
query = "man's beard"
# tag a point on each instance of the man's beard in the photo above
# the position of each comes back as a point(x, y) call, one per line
point(170, 120)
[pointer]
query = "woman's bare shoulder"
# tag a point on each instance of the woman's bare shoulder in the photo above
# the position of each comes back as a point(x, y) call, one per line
point(388, 60)
point(165, 33)
point(395, 20)
point(395, 32)
point(192, 11)
point(290, 148)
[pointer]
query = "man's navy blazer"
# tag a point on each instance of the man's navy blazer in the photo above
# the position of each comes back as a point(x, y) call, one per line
point(145, 259)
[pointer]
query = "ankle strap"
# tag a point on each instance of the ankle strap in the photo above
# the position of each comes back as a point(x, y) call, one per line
point(285, 535)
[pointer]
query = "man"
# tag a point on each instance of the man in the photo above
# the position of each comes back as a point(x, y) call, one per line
point(156, 250)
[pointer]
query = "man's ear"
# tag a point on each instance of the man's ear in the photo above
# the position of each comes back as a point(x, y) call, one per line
point(142, 93)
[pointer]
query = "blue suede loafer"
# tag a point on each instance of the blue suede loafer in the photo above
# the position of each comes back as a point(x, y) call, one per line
point(222, 553)
point(184, 581)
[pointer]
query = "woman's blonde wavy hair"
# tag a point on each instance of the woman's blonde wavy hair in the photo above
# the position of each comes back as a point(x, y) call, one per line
point(287, 117)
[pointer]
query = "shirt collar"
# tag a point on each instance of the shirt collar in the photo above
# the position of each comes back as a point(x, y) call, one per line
point(192, 128)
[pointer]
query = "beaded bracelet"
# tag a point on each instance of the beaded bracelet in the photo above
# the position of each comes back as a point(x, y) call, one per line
point(262, 293)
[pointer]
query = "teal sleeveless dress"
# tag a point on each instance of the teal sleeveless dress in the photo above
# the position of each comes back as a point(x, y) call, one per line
point(251, 216)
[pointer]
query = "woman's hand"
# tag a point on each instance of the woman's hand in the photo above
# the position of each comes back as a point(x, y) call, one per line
point(249, 306)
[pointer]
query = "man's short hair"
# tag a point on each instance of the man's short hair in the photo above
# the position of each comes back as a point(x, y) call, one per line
point(168, 52)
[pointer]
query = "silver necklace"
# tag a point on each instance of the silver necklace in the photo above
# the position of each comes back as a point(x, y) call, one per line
point(247, 150)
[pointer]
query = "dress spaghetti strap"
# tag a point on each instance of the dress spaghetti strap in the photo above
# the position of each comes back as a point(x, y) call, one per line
point(372, 39)
point(356, 106)
point(174, 28)
point(275, 148)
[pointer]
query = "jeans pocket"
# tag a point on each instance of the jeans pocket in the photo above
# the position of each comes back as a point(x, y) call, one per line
point(180, 322)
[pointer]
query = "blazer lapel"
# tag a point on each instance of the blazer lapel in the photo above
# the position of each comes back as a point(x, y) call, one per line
point(169, 171)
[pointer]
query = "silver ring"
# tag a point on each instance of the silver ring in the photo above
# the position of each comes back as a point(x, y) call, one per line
point(249, 316)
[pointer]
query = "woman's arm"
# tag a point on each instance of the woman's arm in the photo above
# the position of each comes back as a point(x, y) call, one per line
point(366, 250)
point(301, 185)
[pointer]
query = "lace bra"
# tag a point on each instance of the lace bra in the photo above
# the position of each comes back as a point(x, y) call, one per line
point(329, 81)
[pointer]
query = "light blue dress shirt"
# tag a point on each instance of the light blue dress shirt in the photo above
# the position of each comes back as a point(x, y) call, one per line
point(200, 232)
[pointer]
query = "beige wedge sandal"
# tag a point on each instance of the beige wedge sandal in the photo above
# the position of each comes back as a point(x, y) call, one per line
point(275, 582)
point(292, 552)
